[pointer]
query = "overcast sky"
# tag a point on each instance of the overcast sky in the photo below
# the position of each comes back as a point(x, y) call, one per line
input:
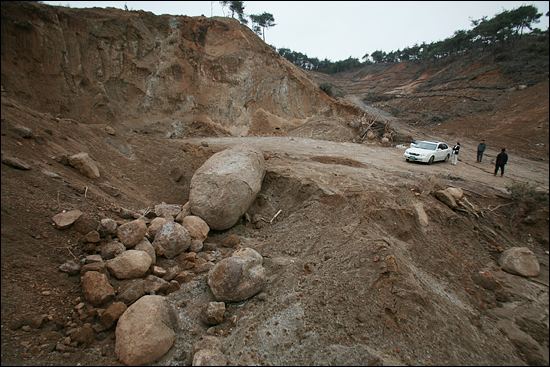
point(338, 30)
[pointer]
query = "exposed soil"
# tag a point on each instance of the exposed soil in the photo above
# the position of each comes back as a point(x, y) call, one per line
point(353, 278)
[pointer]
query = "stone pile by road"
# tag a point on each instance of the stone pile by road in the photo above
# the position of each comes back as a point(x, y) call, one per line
point(128, 249)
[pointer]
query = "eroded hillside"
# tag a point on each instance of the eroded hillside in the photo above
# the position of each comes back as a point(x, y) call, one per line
point(365, 266)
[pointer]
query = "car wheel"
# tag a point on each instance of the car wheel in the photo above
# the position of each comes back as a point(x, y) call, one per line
point(407, 159)
point(447, 158)
point(431, 160)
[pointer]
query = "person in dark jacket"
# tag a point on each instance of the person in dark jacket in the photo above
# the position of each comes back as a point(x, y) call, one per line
point(502, 159)
point(480, 149)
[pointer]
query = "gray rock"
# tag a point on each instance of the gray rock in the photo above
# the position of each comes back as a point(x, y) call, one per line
point(129, 264)
point(238, 277)
point(209, 357)
point(145, 332)
point(171, 240)
point(520, 261)
point(224, 187)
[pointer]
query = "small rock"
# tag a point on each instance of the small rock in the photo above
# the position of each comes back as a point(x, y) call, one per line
point(66, 219)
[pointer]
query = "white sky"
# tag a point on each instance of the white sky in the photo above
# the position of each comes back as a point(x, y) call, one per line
point(338, 30)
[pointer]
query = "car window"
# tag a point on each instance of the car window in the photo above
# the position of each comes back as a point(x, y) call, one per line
point(426, 145)
point(444, 146)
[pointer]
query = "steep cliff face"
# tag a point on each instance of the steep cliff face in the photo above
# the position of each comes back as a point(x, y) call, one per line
point(135, 68)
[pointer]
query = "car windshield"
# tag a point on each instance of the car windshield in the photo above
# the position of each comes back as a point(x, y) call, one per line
point(426, 145)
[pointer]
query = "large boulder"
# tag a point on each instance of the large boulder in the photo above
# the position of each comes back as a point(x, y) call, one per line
point(520, 261)
point(145, 331)
point(171, 240)
point(238, 277)
point(223, 188)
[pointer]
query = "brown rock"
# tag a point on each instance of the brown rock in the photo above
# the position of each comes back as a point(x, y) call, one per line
point(96, 288)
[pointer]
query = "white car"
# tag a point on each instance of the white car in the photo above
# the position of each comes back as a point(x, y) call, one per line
point(428, 152)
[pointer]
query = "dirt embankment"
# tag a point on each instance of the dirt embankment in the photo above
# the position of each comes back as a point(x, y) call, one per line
point(354, 275)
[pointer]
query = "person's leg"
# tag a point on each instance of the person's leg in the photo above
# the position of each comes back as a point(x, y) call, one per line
point(480, 156)
point(496, 170)
point(502, 170)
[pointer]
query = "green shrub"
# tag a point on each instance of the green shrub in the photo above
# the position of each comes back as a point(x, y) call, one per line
point(327, 88)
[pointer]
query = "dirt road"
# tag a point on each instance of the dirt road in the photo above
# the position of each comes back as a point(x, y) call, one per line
point(337, 166)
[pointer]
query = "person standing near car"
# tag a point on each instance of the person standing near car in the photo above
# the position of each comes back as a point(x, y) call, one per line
point(480, 149)
point(502, 159)
point(454, 154)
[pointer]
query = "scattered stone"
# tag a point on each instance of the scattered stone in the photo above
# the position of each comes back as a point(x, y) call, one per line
point(14, 162)
point(231, 241)
point(92, 237)
point(520, 261)
point(213, 313)
point(196, 246)
point(184, 277)
point(421, 215)
point(446, 198)
point(84, 164)
point(125, 213)
point(145, 332)
point(158, 271)
point(109, 189)
point(171, 240)
point(83, 335)
point(155, 285)
point(96, 288)
point(112, 314)
point(66, 219)
point(111, 250)
point(145, 245)
point(35, 321)
point(131, 292)
point(184, 213)
point(107, 227)
point(97, 266)
point(131, 233)
point(129, 264)
point(167, 209)
point(209, 357)
point(238, 277)
point(15, 324)
point(223, 188)
point(70, 267)
point(23, 131)
point(173, 286)
point(154, 226)
point(90, 259)
point(455, 192)
point(198, 229)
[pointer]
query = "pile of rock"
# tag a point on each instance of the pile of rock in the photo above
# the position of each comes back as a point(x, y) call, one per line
point(128, 249)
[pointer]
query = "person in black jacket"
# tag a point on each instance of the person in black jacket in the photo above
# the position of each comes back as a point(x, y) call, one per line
point(502, 159)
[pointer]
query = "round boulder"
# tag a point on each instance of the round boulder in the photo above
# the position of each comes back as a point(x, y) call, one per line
point(171, 240)
point(224, 187)
point(520, 261)
point(145, 331)
point(238, 277)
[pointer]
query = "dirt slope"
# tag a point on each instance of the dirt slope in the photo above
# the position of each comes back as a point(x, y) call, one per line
point(353, 277)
